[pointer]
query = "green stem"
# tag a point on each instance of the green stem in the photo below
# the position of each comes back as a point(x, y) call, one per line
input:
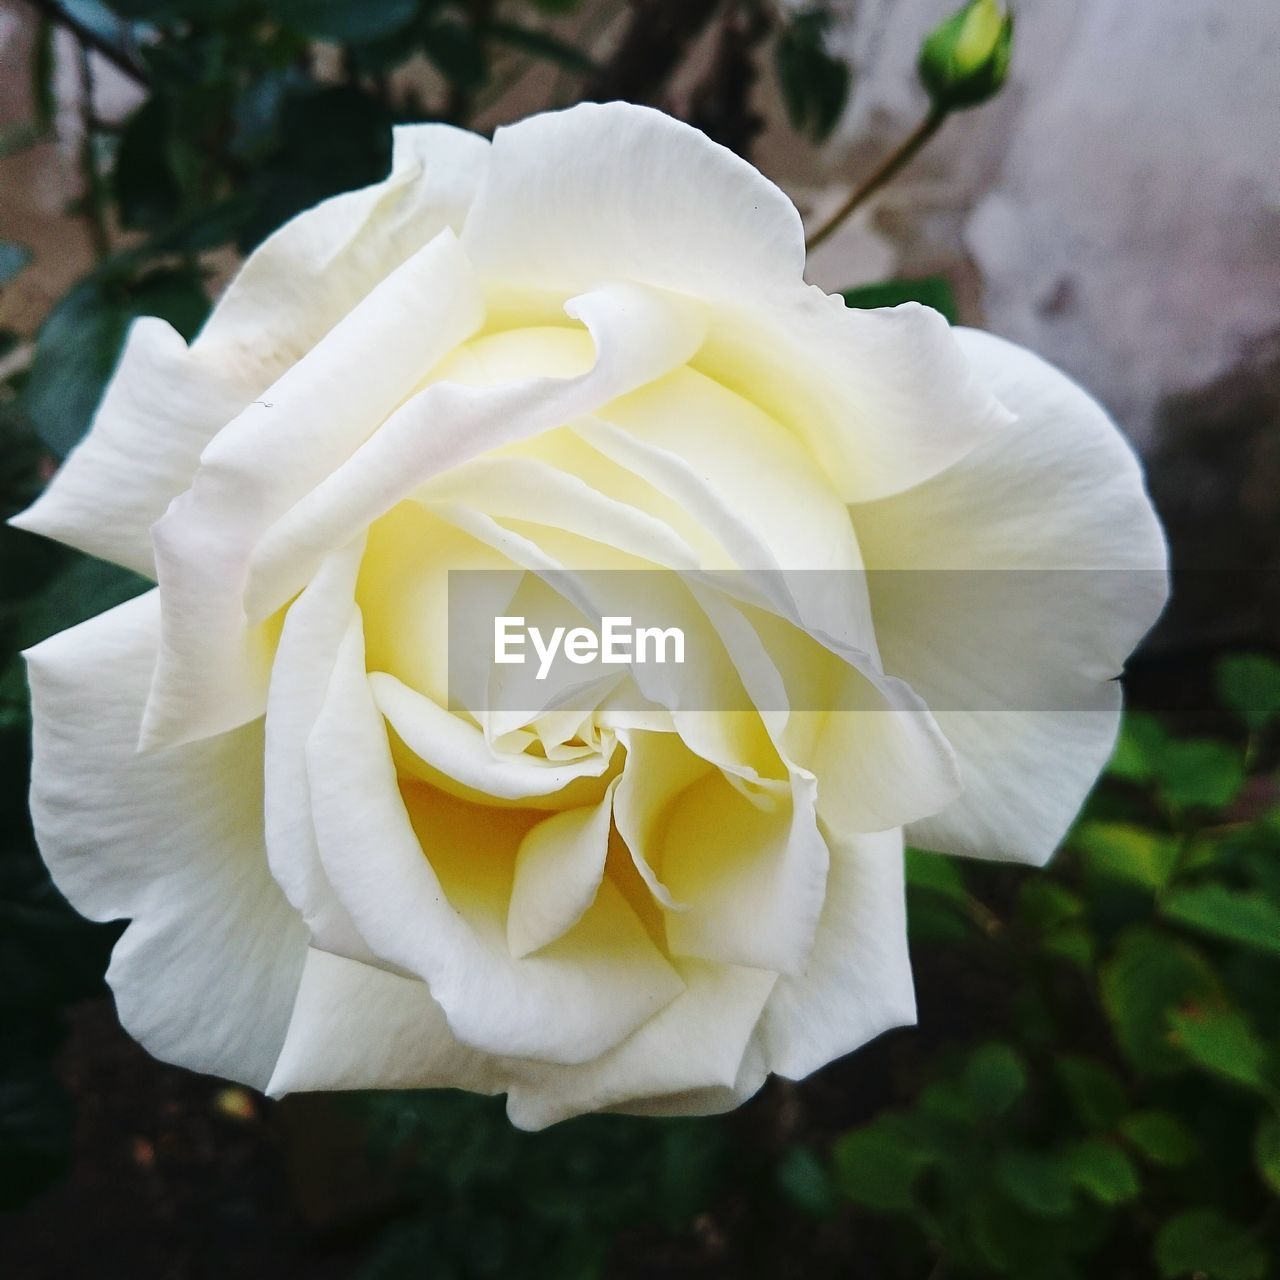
point(888, 168)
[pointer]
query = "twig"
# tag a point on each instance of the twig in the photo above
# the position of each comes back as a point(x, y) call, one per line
point(94, 196)
point(888, 168)
point(89, 38)
point(652, 47)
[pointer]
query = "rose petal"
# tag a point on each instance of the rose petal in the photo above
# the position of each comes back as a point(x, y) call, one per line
point(213, 669)
point(751, 871)
point(313, 631)
point(639, 335)
point(359, 1027)
point(620, 192)
point(161, 408)
point(558, 871)
point(1061, 490)
point(857, 983)
point(568, 1003)
point(305, 277)
point(695, 1054)
point(205, 976)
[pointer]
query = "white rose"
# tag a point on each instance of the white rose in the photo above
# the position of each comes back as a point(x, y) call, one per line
point(587, 343)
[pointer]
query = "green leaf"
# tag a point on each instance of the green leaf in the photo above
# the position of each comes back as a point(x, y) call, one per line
point(343, 21)
point(1040, 1183)
point(805, 1181)
point(1121, 851)
point(814, 84)
point(1073, 944)
point(1161, 1137)
point(1142, 740)
point(1248, 684)
point(938, 873)
point(1234, 914)
point(932, 291)
point(1266, 1151)
point(1203, 1241)
point(878, 1165)
point(1148, 975)
point(1097, 1094)
point(82, 591)
point(331, 140)
point(1102, 1171)
point(13, 260)
point(995, 1078)
point(542, 44)
point(1221, 1041)
point(456, 53)
point(1200, 774)
point(147, 189)
point(1047, 906)
point(80, 341)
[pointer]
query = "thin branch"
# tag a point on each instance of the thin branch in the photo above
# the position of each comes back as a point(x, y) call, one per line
point(95, 201)
point(88, 37)
point(652, 47)
point(888, 168)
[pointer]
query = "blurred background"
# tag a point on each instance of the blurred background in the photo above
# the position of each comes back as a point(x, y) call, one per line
point(1094, 1089)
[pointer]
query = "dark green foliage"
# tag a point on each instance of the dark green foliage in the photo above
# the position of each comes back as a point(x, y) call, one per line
point(815, 84)
point(49, 956)
point(1141, 1135)
point(498, 1202)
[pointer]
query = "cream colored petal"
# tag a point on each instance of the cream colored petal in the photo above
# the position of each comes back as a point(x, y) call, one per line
point(161, 408)
point(304, 662)
point(620, 192)
point(206, 973)
point(857, 983)
point(1048, 566)
point(214, 663)
point(752, 872)
point(558, 870)
point(305, 277)
point(446, 866)
point(696, 1054)
point(639, 334)
point(355, 1026)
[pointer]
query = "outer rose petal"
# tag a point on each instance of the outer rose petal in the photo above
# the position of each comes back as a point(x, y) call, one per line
point(356, 1027)
point(696, 1056)
point(616, 191)
point(1060, 490)
point(858, 980)
point(162, 406)
point(165, 403)
point(619, 192)
point(213, 670)
point(205, 976)
point(311, 272)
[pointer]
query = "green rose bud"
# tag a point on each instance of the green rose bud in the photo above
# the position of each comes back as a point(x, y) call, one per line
point(965, 59)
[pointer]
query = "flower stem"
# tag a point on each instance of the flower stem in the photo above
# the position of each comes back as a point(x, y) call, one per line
point(888, 168)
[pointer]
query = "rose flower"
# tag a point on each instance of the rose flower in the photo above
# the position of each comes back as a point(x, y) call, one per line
point(586, 345)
